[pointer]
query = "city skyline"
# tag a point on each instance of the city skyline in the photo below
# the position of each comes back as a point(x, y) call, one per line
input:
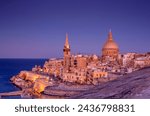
point(37, 29)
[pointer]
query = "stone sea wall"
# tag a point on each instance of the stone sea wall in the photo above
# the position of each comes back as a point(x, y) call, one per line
point(31, 82)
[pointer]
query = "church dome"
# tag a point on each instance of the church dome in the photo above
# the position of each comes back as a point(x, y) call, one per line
point(110, 43)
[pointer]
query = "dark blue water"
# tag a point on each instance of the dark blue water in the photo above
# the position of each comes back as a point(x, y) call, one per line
point(11, 67)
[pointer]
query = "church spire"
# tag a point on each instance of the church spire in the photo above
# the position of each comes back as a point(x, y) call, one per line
point(67, 55)
point(66, 42)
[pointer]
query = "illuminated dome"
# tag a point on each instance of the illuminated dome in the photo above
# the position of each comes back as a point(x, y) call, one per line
point(110, 48)
point(110, 44)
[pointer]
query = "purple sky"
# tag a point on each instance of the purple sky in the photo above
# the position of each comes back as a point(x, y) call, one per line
point(37, 28)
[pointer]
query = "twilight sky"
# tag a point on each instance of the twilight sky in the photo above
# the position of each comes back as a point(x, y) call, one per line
point(37, 28)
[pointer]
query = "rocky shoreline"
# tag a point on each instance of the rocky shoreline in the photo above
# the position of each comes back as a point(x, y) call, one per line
point(42, 88)
point(133, 85)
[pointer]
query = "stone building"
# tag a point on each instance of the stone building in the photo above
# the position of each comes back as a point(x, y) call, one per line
point(53, 67)
point(97, 73)
point(77, 75)
point(81, 62)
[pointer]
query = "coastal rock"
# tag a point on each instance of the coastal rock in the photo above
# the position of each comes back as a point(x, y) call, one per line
point(66, 89)
point(133, 85)
point(20, 82)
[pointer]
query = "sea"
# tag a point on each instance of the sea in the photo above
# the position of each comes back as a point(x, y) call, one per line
point(11, 67)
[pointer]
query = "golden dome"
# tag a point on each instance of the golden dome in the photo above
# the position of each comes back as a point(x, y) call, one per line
point(110, 43)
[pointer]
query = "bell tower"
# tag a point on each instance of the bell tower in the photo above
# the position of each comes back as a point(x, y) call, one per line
point(67, 55)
